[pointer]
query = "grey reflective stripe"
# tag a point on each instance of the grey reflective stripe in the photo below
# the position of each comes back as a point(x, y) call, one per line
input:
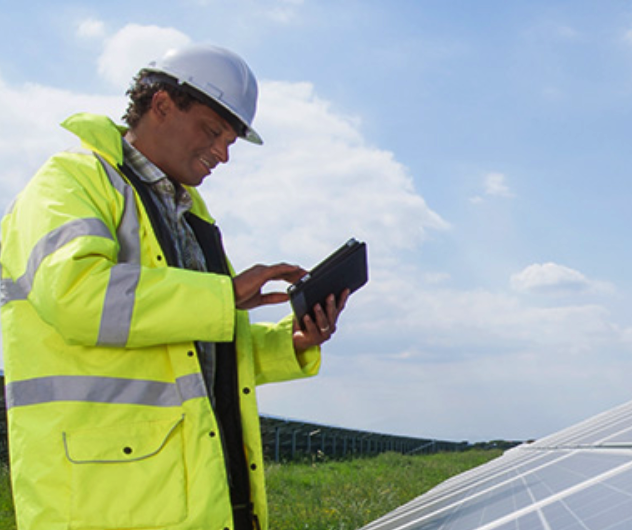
point(18, 290)
point(10, 292)
point(112, 390)
point(55, 240)
point(118, 306)
point(191, 386)
point(128, 230)
point(11, 206)
point(120, 297)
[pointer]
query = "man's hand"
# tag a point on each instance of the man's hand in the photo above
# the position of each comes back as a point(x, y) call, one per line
point(318, 331)
point(247, 285)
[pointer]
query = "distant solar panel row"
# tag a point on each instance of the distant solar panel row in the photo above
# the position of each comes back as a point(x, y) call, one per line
point(577, 479)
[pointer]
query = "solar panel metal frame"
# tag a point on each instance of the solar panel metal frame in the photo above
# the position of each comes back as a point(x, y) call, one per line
point(577, 479)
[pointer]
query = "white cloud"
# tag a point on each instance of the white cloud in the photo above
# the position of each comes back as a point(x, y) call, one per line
point(434, 278)
point(91, 28)
point(567, 32)
point(397, 306)
point(461, 364)
point(313, 184)
point(275, 11)
point(133, 47)
point(282, 11)
point(552, 278)
point(31, 115)
point(495, 185)
point(551, 30)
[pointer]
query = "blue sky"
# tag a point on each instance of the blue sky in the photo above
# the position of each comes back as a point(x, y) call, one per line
point(480, 148)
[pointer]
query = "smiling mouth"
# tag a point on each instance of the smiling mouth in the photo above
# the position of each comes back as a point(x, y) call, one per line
point(210, 166)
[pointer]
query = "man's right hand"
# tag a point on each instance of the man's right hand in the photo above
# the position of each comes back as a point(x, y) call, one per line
point(248, 284)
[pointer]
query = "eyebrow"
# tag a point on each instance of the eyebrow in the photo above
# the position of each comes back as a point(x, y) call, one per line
point(226, 127)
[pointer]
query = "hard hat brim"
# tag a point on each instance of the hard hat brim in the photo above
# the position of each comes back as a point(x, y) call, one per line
point(253, 137)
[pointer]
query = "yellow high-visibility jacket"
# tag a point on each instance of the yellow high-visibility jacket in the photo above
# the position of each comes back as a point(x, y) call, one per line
point(109, 419)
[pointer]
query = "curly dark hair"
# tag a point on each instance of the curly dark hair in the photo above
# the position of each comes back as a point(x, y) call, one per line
point(144, 85)
point(147, 83)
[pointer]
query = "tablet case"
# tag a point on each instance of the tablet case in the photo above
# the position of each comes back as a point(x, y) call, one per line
point(346, 268)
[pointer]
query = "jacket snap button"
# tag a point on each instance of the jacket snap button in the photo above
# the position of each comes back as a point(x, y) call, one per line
point(246, 391)
point(190, 353)
point(127, 450)
point(253, 466)
point(159, 258)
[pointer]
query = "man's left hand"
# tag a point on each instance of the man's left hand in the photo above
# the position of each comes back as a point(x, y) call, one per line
point(319, 330)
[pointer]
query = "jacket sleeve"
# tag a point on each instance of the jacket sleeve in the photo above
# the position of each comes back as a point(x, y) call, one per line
point(274, 355)
point(61, 250)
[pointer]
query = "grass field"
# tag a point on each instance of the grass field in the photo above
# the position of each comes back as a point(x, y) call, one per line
point(336, 495)
point(346, 495)
point(7, 520)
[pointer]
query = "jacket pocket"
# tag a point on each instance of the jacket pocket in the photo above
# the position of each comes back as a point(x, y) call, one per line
point(127, 476)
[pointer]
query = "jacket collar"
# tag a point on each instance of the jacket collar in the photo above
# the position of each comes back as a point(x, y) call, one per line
point(98, 133)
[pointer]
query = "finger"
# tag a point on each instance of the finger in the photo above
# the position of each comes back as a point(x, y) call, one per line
point(343, 299)
point(308, 336)
point(332, 313)
point(273, 298)
point(309, 326)
point(323, 323)
point(287, 272)
point(342, 302)
point(261, 274)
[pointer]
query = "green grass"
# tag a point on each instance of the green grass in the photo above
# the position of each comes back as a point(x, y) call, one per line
point(349, 494)
point(336, 495)
point(7, 517)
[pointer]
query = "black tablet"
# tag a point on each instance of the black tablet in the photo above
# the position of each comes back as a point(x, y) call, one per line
point(346, 268)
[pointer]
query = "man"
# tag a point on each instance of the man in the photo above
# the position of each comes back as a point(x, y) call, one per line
point(130, 361)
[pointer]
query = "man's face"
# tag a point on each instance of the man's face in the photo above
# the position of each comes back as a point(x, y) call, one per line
point(191, 142)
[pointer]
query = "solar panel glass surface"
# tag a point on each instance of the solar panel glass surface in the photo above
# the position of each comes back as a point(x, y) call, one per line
point(577, 479)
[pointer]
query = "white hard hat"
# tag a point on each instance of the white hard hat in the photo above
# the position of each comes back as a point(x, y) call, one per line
point(218, 74)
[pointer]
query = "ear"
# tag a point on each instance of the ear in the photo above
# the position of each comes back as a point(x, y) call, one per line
point(161, 105)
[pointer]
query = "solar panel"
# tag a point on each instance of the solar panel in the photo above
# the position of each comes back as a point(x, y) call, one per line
point(577, 479)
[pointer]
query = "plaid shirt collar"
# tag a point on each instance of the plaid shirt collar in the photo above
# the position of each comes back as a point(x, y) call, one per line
point(146, 170)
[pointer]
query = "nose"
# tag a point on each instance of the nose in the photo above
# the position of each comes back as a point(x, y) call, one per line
point(220, 152)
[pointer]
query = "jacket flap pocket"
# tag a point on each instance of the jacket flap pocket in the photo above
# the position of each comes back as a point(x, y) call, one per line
point(119, 443)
